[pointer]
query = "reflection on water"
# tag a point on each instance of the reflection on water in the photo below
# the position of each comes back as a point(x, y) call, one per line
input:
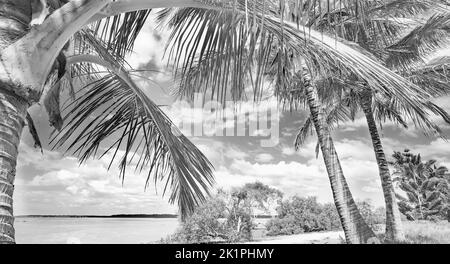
point(93, 230)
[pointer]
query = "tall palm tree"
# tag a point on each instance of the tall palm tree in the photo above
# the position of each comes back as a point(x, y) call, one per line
point(212, 51)
point(350, 216)
point(404, 54)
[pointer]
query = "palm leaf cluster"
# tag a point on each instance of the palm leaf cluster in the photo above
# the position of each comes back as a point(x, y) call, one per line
point(110, 116)
point(403, 53)
point(202, 40)
point(426, 185)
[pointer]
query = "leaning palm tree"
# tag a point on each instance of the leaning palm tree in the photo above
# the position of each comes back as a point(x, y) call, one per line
point(214, 51)
point(403, 53)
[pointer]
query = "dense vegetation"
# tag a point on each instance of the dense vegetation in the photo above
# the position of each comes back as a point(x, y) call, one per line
point(227, 216)
point(216, 220)
point(426, 186)
point(298, 215)
point(302, 215)
point(230, 216)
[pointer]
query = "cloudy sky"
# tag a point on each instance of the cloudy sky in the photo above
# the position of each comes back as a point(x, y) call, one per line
point(55, 183)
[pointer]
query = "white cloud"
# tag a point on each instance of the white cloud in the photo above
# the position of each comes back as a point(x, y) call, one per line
point(264, 157)
point(288, 151)
point(434, 150)
point(65, 187)
point(235, 153)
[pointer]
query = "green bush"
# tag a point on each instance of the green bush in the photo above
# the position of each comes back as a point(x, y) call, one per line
point(223, 218)
point(426, 186)
point(283, 226)
point(375, 218)
point(298, 215)
point(330, 217)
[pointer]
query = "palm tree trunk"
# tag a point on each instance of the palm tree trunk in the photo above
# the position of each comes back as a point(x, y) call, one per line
point(12, 117)
point(394, 230)
point(15, 15)
point(355, 228)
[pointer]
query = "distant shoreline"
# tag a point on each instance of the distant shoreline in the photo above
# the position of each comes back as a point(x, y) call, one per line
point(102, 216)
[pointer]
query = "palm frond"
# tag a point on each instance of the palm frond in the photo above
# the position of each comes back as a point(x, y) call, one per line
point(334, 113)
point(324, 54)
point(349, 92)
point(305, 131)
point(407, 8)
point(33, 132)
point(120, 32)
point(420, 42)
point(115, 112)
point(433, 76)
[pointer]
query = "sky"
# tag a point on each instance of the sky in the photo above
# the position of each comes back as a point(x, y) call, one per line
point(54, 183)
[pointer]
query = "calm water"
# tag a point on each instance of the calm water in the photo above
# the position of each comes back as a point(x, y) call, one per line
point(93, 230)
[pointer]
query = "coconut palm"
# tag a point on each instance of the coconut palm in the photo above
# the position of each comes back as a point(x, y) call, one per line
point(210, 59)
point(404, 54)
point(126, 120)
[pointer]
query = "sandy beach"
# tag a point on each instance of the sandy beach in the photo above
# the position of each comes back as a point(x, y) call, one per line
point(309, 238)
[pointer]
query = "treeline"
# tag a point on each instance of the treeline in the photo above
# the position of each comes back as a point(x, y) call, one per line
point(303, 215)
point(230, 216)
point(227, 216)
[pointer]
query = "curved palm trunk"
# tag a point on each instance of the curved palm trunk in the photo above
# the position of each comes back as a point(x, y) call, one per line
point(12, 116)
point(355, 228)
point(394, 231)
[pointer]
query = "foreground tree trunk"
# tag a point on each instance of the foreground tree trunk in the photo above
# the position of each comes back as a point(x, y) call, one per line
point(15, 15)
point(355, 228)
point(12, 117)
point(394, 231)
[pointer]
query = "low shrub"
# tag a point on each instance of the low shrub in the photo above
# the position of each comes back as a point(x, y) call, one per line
point(298, 215)
point(374, 217)
point(223, 218)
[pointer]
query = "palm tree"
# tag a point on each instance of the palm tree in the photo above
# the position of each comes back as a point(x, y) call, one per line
point(403, 54)
point(33, 69)
point(350, 216)
point(209, 59)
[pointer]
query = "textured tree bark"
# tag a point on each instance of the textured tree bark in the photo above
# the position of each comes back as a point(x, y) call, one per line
point(15, 16)
point(394, 230)
point(14, 19)
point(12, 117)
point(355, 228)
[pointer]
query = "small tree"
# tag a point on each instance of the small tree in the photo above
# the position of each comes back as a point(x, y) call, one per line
point(225, 217)
point(425, 184)
point(261, 197)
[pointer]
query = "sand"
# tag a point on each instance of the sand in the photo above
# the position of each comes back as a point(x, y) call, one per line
point(310, 238)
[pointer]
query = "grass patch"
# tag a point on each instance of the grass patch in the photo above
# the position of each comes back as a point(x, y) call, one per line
point(426, 232)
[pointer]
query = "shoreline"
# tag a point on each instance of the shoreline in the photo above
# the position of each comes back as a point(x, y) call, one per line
point(102, 216)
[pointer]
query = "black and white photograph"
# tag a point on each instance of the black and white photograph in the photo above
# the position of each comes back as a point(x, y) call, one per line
point(242, 124)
